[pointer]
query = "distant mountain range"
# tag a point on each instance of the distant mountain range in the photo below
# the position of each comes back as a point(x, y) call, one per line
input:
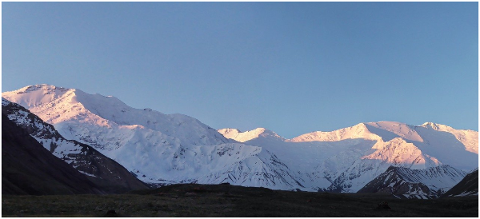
point(347, 159)
point(167, 149)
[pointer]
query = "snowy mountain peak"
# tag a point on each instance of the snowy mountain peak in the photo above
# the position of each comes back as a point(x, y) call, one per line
point(435, 126)
point(399, 152)
point(42, 88)
point(239, 136)
point(229, 132)
point(45, 87)
point(389, 130)
point(36, 95)
point(357, 131)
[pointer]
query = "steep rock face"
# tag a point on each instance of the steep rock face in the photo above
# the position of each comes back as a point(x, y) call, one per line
point(414, 183)
point(29, 169)
point(104, 172)
point(467, 187)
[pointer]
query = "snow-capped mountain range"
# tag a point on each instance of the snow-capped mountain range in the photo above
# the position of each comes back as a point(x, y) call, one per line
point(345, 160)
point(164, 149)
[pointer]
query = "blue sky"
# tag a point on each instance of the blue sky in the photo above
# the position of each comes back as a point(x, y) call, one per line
point(289, 67)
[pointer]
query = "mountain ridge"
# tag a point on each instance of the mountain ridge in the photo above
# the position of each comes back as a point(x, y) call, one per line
point(339, 134)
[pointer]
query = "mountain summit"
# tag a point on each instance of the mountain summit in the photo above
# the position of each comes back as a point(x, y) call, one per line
point(239, 136)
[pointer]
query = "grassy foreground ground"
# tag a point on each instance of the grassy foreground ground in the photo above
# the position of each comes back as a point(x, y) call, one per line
point(227, 200)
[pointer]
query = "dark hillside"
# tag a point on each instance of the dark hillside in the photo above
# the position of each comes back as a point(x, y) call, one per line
point(105, 173)
point(28, 168)
point(468, 186)
point(392, 183)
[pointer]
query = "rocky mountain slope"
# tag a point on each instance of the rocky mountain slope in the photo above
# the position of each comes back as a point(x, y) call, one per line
point(103, 171)
point(29, 169)
point(165, 149)
point(467, 187)
point(414, 183)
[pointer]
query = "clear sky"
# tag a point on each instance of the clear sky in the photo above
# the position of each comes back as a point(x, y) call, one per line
point(289, 67)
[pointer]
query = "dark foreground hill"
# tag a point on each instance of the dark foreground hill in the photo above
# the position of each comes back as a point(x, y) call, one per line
point(468, 186)
point(227, 200)
point(105, 173)
point(28, 168)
